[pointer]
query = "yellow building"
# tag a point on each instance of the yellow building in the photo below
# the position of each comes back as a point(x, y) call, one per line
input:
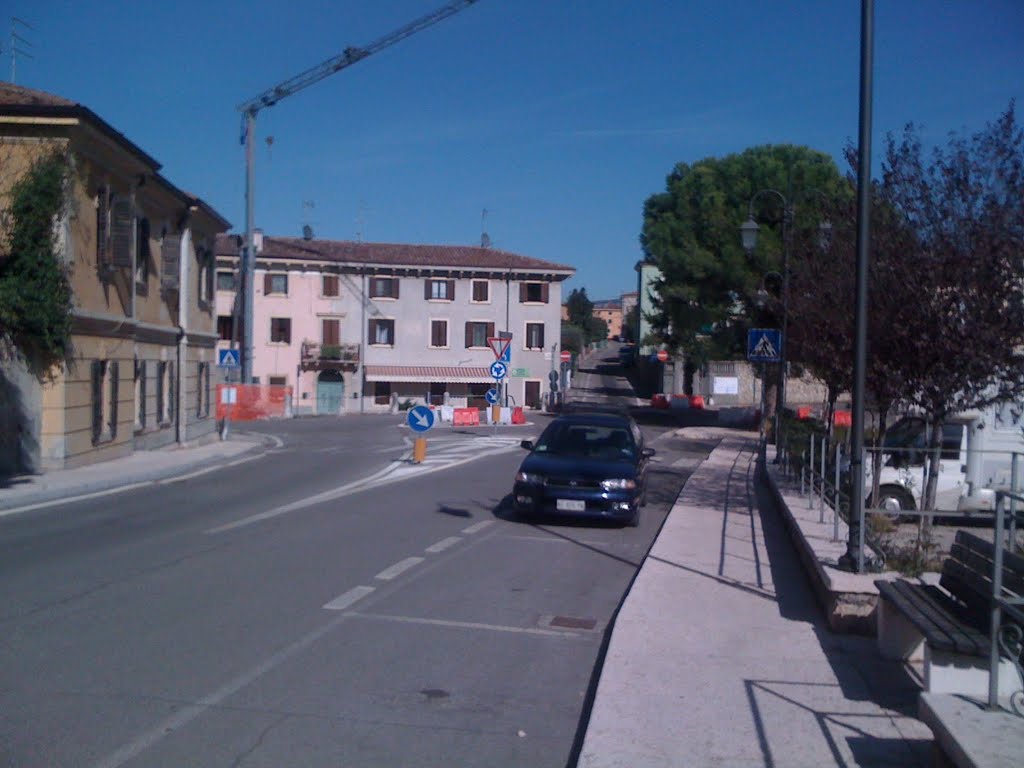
point(140, 252)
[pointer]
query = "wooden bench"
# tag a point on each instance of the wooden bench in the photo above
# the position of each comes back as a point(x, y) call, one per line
point(947, 626)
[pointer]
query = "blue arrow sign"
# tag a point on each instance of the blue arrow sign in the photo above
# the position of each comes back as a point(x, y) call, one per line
point(227, 358)
point(498, 370)
point(420, 418)
point(764, 345)
point(492, 396)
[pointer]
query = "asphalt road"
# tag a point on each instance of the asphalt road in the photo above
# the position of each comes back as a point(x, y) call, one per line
point(327, 604)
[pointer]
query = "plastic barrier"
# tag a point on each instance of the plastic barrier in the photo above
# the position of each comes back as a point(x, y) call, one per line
point(466, 417)
point(697, 401)
point(518, 417)
point(254, 402)
point(677, 402)
point(804, 412)
point(659, 401)
point(843, 419)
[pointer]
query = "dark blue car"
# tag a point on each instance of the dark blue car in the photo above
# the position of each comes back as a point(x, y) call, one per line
point(585, 465)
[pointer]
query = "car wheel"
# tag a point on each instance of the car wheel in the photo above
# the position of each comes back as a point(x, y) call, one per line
point(894, 499)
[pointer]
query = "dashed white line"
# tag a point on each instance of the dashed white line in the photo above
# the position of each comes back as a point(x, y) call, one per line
point(477, 527)
point(398, 568)
point(443, 544)
point(341, 602)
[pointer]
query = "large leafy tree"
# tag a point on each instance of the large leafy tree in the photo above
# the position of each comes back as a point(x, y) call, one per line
point(583, 328)
point(35, 288)
point(711, 290)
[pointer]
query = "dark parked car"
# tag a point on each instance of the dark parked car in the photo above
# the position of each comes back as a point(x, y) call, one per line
point(626, 353)
point(585, 464)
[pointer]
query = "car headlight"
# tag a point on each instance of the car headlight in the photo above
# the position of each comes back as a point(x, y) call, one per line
point(530, 478)
point(618, 484)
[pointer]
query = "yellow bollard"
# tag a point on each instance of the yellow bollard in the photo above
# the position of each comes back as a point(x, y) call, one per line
point(419, 450)
point(495, 414)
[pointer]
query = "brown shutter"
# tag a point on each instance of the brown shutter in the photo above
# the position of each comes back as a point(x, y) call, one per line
point(540, 336)
point(544, 293)
point(522, 293)
point(170, 392)
point(267, 285)
point(97, 400)
point(114, 379)
point(426, 289)
point(469, 335)
point(490, 331)
point(394, 287)
point(121, 232)
point(170, 259)
point(451, 290)
point(331, 332)
point(103, 228)
point(371, 333)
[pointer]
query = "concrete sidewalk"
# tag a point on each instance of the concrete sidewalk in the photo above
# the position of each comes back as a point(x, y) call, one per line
point(721, 656)
point(27, 491)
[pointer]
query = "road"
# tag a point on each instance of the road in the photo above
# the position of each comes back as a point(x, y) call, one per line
point(326, 604)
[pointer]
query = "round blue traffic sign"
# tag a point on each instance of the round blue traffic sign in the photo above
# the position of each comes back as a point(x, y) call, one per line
point(420, 418)
point(492, 396)
point(498, 370)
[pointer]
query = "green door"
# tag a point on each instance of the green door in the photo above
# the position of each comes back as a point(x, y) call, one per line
point(330, 393)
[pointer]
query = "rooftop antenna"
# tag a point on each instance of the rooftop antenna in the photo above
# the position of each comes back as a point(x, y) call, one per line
point(17, 40)
point(307, 224)
point(361, 220)
point(485, 239)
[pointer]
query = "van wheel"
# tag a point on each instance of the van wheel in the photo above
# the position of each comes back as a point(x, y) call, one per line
point(895, 499)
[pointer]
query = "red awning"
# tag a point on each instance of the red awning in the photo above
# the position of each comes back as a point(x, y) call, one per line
point(428, 373)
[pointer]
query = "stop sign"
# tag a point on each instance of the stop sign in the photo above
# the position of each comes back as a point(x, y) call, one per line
point(663, 355)
point(565, 356)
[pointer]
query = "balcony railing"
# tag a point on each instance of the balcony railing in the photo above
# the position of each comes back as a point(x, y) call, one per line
point(316, 356)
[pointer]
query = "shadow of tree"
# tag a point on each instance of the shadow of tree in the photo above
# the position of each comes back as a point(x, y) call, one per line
point(19, 445)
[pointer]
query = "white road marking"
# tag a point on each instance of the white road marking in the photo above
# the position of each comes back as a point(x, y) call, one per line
point(477, 527)
point(341, 602)
point(197, 473)
point(443, 544)
point(398, 568)
point(73, 499)
point(465, 625)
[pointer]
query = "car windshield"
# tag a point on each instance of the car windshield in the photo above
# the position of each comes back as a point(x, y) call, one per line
point(589, 440)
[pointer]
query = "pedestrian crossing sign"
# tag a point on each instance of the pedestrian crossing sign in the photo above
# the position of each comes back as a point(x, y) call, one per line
point(764, 345)
point(227, 358)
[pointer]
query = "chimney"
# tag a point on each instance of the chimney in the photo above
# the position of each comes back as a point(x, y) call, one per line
point(257, 240)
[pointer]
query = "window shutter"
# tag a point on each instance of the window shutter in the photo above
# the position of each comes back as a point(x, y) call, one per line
point(540, 335)
point(371, 332)
point(103, 227)
point(170, 258)
point(121, 232)
point(451, 290)
point(426, 289)
point(267, 284)
point(544, 294)
point(522, 293)
point(469, 335)
point(113, 372)
point(170, 392)
point(331, 332)
point(394, 287)
point(97, 400)
point(490, 331)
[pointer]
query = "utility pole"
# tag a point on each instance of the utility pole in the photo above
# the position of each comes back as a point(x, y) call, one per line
point(269, 98)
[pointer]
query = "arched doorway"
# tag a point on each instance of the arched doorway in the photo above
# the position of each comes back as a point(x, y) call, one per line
point(330, 393)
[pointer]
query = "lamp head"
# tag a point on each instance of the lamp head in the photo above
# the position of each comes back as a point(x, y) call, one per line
point(748, 234)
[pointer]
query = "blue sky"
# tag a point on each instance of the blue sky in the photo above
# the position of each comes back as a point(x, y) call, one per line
point(559, 117)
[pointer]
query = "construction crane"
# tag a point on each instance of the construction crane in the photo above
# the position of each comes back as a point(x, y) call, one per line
point(269, 98)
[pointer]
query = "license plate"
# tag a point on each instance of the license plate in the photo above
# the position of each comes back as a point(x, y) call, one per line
point(570, 505)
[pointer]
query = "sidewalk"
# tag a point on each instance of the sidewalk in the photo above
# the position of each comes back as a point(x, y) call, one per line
point(140, 467)
point(721, 656)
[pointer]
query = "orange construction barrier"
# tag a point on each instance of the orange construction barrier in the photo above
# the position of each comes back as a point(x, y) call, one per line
point(697, 401)
point(518, 417)
point(843, 419)
point(254, 402)
point(803, 412)
point(659, 401)
point(466, 417)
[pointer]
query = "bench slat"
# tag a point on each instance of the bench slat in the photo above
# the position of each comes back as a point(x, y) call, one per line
point(931, 612)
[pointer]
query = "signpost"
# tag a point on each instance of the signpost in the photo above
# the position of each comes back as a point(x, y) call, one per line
point(420, 419)
point(565, 356)
point(227, 358)
point(764, 345)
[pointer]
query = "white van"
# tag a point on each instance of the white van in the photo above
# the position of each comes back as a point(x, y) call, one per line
point(976, 461)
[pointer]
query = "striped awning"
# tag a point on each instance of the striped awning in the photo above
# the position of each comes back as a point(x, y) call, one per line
point(428, 373)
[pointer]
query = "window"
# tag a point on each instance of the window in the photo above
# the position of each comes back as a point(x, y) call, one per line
point(140, 395)
point(477, 395)
point(439, 290)
point(382, 393)
point(481, 291)
point(104, 400)
point(478, 333)
point(330, 285)
point(224, 327)
point(275, 284)
point(277, 381)
point(225, 281)
point(531, 397)
point(280, 330)
point(535, 335)
point(203, 390)
point(165, 393)
point(330, 332)
point(439, 333)
point(382, 332)
point(142, 254)
point(204, 262)
point(383, 287)
point(533, 293)
point(103, 227)
point(436, 393)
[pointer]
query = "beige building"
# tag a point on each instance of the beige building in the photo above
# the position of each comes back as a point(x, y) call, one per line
point(140, 253)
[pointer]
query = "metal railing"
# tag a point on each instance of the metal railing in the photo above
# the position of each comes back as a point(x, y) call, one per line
point(1007, 639)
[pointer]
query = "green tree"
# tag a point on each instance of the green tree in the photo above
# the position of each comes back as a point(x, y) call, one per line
point(580, 310)
point(35, 287)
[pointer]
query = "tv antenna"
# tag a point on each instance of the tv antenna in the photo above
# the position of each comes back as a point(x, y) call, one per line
point(16, 41)
point(485, 239)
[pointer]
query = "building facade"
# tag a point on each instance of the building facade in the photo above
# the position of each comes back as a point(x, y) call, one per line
point(362, 327)
point(140, 257)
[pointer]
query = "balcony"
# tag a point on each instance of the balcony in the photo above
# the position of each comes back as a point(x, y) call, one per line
point(329, 357)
